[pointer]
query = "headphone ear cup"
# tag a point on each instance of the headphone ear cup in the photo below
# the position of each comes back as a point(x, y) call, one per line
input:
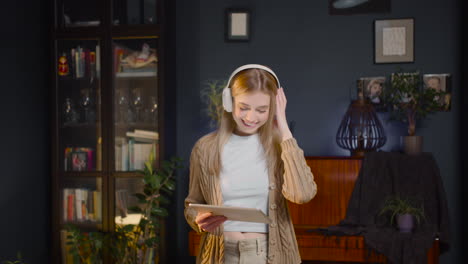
point(227, 99)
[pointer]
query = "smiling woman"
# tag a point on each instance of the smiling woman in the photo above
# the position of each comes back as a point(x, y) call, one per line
point(250, 161)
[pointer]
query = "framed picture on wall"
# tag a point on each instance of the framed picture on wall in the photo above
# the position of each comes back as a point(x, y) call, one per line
point(394, 41)
point(441, 82)
point(372, 89)
point(237, 24)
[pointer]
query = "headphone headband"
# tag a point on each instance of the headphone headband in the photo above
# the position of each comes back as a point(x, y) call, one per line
point(253, 66)
point(227, 96)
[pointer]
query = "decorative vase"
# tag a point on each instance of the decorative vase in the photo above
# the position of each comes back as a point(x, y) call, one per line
point(412, 145)
point(405, 223)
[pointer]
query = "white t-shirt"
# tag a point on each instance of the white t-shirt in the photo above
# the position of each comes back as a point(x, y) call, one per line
point(244, 179)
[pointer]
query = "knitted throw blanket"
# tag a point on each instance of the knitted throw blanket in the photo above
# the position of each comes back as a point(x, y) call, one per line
point(389, 173)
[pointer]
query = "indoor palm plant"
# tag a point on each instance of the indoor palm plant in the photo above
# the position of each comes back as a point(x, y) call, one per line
point(404, 210)
point(409, 102)
point(133, 244)
point(211, 96)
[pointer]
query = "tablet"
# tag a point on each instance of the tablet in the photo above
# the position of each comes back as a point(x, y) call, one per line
point(233, 213)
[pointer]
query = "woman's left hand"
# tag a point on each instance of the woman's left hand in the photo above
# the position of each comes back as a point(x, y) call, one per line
point(281, 121)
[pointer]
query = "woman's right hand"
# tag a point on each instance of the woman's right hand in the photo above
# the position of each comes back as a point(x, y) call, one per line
point(209, 222)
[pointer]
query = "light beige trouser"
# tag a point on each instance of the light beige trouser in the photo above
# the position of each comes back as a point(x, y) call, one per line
point(246, 251)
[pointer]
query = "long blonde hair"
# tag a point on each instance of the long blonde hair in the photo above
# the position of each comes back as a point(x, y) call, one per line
point(247, 81)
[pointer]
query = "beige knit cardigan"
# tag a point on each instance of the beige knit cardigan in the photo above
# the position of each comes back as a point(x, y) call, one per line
point(294, 181)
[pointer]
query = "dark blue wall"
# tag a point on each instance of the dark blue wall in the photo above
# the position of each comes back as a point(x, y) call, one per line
point(24, 132)
point(318, 58)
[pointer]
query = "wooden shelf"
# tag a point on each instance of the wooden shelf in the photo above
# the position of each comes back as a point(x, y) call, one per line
point(81, 174)
point(79, 125)
point(135, 74)
point(83, 224)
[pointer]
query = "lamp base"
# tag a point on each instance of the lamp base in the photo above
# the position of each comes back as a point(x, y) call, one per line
point(357, 153)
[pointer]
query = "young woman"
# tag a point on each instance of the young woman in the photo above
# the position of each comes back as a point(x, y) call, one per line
point(253, 161)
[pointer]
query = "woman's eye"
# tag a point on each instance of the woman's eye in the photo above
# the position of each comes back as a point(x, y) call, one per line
point(244, 109)
point(261, 111)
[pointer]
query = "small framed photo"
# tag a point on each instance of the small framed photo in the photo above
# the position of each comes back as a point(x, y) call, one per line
point(79, 160)
point(237, 25)
point(372, 89)
point(442, 83)
point(394, 41)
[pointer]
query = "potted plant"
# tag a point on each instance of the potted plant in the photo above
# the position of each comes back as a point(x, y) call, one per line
point(211, 96)
point(19, 260)
point(409, 102)
point(132, 244)
point(404, 210)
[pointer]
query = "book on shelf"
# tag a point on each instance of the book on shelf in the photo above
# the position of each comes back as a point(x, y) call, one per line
point(141, 153)
point(121, 154)
point(141, 144)
point(80, 205)
point(133, 151)
point(143, 135)
point(98, 61)
point(83, 62)
point(119, 52)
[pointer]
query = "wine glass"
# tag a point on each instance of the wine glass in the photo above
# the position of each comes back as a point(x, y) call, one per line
point(153, 107)
point(137, 103)
point(86, 104)
point(70, 116)
point(122, 102)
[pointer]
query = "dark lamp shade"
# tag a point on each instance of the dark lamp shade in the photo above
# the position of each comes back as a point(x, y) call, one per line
point(360, 130)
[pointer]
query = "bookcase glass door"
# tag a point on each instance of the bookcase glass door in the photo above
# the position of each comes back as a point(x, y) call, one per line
point(134, 12)
point(79, 104)
point(135, 102)
point(84, 13)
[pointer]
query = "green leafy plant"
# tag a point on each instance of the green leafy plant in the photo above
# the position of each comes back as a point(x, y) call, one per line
point(85, 245)
point(211, 96)
point(19, 260)
point(133, 244)
point(408, 100)
point(396, 205)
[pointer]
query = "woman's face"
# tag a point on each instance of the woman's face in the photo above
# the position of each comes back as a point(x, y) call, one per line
point(250, 112)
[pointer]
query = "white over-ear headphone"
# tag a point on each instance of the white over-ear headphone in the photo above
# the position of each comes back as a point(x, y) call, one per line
point(227, 95)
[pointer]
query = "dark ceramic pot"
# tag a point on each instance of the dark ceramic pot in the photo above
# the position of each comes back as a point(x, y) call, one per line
point(412, 145)
point(405, 223)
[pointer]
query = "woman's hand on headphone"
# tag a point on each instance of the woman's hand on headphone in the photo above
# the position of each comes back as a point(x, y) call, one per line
point(281, 122)
point(209, 222)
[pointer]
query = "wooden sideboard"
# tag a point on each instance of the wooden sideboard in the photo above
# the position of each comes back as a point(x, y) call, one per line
point(335, 178)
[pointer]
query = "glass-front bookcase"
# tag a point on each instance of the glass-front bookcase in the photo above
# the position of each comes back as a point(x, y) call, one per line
point(108, 60)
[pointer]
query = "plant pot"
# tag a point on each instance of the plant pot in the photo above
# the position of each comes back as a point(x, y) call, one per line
point(412, 145)
point(405, 223)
